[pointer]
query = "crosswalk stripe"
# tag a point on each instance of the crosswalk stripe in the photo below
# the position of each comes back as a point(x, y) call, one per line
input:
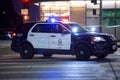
point(52, 71)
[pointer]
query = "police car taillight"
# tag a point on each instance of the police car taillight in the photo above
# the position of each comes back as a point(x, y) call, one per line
point(14, 35)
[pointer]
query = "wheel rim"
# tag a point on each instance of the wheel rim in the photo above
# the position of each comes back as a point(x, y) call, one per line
point(83, 52)
point(26, 52)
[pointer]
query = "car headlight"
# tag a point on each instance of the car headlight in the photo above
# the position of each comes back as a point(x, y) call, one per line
point(98, 39)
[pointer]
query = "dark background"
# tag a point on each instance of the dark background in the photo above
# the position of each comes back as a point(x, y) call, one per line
point(9, 18)
point(10, 13)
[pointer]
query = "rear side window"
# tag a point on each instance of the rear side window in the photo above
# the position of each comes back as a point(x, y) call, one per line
point(44, 28)
point(48, 28)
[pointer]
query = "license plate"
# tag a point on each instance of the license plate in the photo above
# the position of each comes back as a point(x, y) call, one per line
point(114, 47)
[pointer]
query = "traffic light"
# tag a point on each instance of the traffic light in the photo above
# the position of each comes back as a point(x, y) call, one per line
point(94, 11)
point(94, 1)
point(26, 3)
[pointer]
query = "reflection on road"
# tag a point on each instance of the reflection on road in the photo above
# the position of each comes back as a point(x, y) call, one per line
point(58, 67)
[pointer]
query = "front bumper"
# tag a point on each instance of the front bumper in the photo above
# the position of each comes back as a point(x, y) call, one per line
point(105, 48)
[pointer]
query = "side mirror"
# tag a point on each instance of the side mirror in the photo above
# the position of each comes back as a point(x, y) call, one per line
point(65, 32)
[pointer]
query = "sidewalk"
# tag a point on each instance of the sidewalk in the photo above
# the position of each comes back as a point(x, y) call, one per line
point(118, 43)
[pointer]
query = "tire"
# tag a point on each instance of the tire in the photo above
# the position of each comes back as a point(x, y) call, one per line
point(26, 52)
point(47, 54)
point(82, 52)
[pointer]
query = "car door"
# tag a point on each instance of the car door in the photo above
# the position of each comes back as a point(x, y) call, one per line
point(58, 39)
point(39, 36)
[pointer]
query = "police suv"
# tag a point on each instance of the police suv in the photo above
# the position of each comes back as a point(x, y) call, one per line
point(70, 38)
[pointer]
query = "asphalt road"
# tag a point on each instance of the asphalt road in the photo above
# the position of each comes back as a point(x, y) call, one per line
point(58, 67)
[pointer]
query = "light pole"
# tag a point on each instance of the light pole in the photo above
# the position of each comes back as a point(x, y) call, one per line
point(100, 17)
point(115, 20)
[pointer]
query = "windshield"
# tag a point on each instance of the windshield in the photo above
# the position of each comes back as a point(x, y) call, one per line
point(75, 28)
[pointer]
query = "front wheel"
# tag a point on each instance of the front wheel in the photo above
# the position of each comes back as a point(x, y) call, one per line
point(82, 52)
point(26, 52)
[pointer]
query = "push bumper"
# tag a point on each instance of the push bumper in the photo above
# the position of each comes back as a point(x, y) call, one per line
point(105, 48)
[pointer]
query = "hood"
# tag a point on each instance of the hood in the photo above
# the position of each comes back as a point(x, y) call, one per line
point(92, 34)
point(108, 37)
point(98, 34)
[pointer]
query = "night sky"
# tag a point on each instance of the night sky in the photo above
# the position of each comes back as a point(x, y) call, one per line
point(10, 13)
point(33, 10)
point(8, 16)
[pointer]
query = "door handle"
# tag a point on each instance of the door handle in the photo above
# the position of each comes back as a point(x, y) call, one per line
point(52, 36)
point(31, 35)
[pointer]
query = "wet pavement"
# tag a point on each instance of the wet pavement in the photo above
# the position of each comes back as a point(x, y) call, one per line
point(58, 67)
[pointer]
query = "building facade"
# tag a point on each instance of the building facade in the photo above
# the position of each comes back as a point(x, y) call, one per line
point(81, 11)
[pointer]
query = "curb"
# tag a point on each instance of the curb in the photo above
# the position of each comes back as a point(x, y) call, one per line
point(118, 44)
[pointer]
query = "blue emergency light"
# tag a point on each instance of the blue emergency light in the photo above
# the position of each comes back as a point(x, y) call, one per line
point(53, 19)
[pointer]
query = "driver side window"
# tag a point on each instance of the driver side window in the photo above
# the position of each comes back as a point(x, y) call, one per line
point(56, 28)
